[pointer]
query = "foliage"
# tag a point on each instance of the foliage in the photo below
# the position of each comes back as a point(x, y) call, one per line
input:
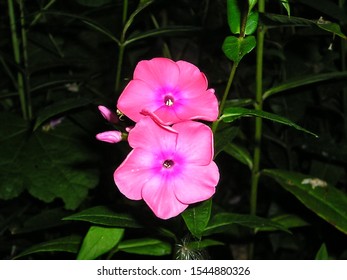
point(279, 70)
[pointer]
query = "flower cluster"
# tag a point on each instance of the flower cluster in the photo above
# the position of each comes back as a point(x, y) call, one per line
point(171, 163)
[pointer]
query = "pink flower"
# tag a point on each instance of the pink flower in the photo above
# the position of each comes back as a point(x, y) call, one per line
point(173, 91)
point(168, 170)
point(112, 136)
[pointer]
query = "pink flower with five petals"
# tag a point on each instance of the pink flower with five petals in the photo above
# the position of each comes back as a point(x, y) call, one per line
point(168, 170)
point(173, 91)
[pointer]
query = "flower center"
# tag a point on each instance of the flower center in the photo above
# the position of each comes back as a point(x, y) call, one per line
point(168, 100)
point(168, 163)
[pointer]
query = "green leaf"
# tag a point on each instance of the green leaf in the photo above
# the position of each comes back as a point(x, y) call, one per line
point(239, 153)
point(252, 22)
point(327, 7)
point(322, 253)
point(197, 217)
point(60, 107)
point(68, 244)
point(223, 137)
point(290, 221)
point(326, 201)
point(251, 4)
point(46, 163)
point(304, 81)
point(221, 221)
point(234, 16)
point(275, 20)
point(236, 48)
point(162, 31)
point(201, 244)
point(286, 5)
point(102, 215)
point(145, 246)
point(98, 241)
point(231, 114)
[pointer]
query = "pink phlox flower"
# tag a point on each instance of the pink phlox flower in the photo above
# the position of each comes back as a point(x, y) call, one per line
point(173, 91)
point(112, 136)
point(168, 170)
point(108, 115)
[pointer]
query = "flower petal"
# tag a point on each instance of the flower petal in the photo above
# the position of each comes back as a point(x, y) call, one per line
point(196, 183)
point(112, 136)
point(152, 137)
point(195, 142)
point(108, 115)
point(191, 82)
point(158, 72)
point(159, 195)
point(136, 96)
point(134, 172)
point(203, 107)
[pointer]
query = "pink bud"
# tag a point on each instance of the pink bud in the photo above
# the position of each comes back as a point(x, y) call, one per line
point(110, 136)
point(109, 115)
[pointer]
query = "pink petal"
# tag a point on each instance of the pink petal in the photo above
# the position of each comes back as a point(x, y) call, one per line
point(167, 114)
point(159, 195)
point(110, 136)
point(150, 136)
point(195, 142)
point(204, 107)
point(109, 115)
point(158, 121)
point(137, 169)
point(136, 96)
point(196, 183)
point(158, 72)
point(191, 81)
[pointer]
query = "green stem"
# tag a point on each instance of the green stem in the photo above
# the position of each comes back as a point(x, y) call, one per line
point(17, 58)
point(25, 59)
point(225, 95)
point(343, 68)
point(121, 45)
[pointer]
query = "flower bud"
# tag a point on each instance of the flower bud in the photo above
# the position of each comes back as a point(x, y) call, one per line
point(109, 115)
point(110, 136)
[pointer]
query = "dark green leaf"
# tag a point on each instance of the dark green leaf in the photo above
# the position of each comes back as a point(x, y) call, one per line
point(304, 81)
point(93, 3)
point(287, 221)
point(163, 31)
point(327, 7)
point(221, 221)
point(145, 246)
point(198, 245)
point(251, 4)
point(223, 137)
point(326, 201)
point(102, 215)
point(98, 241)
point(197, 217)
point(236, 48)
point(233, 113)
point(68, 244)
point(59, 108)
point(46, 163)
point(234, 16)
point(322, 253)
point(240, 153)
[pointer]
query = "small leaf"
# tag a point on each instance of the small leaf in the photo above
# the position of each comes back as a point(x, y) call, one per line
point(326, 201)
point(286, 5)
point(223, 137)
point(322, 253)
point(221, 221)
point(197, 217)
point(251, 4)
point(98, 241)
point(252, 22)
point(233, 113)
point(234, 16)
point(236, 48)
point(145, 246)
point(288, 221)
point(68, 244)
point(102, 215)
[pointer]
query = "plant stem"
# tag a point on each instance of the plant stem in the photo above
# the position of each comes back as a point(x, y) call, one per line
point(125, 11)
point(17, 58)
point(225, 95)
